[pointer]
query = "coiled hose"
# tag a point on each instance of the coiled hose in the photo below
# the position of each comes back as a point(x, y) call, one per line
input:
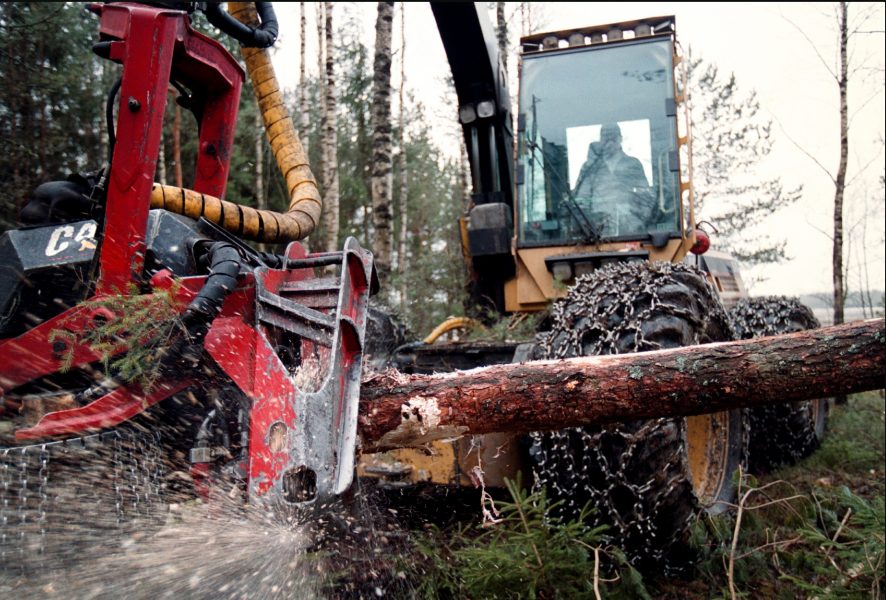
point(305, 204)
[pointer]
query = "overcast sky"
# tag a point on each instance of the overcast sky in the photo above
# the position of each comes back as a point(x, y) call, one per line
point(768, 47)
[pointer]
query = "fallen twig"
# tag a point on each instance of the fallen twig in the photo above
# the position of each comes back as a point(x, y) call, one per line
point(839, 529)
point(776, 544)
point(740, 510)
point(597, 572)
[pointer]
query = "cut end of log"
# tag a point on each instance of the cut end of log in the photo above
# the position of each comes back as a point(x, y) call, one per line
point(419, 425)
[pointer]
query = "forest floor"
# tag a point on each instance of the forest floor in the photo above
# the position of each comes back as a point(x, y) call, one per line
point(812, 530)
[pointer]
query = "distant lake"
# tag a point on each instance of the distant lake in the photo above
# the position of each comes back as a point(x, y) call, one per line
point(850, 313)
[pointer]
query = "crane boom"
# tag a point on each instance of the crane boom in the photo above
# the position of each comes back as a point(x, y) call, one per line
point(484, 105)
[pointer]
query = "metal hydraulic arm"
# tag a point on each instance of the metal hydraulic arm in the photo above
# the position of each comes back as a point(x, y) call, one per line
point(484, 105)
point(484, 111)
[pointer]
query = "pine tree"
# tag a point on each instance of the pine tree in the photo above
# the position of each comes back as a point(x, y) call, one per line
point(730, 138)
point(435, 279)
point(354, 131)
point(51, 101)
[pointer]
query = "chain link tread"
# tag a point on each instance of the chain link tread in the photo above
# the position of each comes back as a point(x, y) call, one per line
point(60, 496)
point(780, 434)
point(634, 474)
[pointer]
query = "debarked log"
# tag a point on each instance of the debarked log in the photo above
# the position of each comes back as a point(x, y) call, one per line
point(398, 410)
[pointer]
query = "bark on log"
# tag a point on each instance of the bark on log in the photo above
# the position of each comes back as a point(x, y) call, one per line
point(398, 410)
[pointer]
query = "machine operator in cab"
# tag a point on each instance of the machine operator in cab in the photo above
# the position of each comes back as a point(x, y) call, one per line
point(612, 184)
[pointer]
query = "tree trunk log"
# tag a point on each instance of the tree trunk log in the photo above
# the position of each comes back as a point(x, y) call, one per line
point(398, 410)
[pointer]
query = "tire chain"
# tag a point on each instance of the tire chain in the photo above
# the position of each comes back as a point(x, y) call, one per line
point(604, 313)
point(780, 433)
point(91, 488)
point(771, 315)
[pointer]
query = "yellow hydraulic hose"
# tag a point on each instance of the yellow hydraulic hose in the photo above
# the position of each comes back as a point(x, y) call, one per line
point(450, 324)
point(305, 204)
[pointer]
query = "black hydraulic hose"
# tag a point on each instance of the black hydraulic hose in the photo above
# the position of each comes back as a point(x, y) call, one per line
point(266, 34)
point(109, 115)
point(263, 36)
point(224, 266)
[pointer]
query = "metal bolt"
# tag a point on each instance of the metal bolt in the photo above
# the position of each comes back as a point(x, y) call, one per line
point(134, 105)
point(58, 346)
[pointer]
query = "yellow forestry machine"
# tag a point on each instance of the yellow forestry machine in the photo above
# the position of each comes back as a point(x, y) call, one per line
point(595, 214)
point(138, 333)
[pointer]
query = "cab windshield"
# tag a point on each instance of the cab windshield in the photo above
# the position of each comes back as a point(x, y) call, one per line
point(597, 155)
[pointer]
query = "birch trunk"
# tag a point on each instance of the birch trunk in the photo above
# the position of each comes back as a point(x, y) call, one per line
point(404, 176)
point(382, 166)
point(321, 81)
point(303, 85)
point(177, 146)
point(840, 181)
point(330, 196)
point(502, 34)
point(261, 201)
point(161, 159)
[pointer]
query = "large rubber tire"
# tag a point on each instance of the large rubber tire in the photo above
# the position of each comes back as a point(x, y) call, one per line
point(781, 434)
point(646, 480)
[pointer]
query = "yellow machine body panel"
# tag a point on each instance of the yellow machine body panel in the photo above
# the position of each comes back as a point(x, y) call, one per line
point(482, 459)
point(535, 286)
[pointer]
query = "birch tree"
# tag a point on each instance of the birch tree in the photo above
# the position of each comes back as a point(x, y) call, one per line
point(850, 67)
point(322, 159)
point(177, 146)
point(532, 17)
point(404, 174)
point(261, 201)
point(161, 159)
point(330, 144)
point(303, 121)
point(502, 34)
point(382, 166)
point(842, 77)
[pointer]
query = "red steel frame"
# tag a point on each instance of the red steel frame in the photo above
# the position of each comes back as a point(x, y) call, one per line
point(154, 44)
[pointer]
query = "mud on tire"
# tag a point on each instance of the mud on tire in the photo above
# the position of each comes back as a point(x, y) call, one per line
point(780, 434)
point(639, 475)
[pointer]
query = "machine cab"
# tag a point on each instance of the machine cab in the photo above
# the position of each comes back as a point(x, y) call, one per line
point(597, 156)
